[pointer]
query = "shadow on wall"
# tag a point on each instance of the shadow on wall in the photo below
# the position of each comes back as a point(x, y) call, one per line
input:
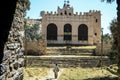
point(6, 18)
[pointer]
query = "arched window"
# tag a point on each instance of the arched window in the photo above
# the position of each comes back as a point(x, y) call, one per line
point(65, 12)
point(61, 13)
point(70, 14)
point(67, 32)
point(83, 32)
point(51, 32)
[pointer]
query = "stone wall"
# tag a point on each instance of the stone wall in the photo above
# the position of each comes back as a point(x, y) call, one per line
point(35, 47)
point(106, 49)
point(13, 60)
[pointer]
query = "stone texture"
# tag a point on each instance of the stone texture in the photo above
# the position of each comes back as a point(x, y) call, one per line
point(13, 60)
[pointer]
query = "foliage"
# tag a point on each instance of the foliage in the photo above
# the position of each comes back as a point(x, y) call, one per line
point(106, 38)
point(27, 2)
point(79, 73)
point(113, 52)
point(32, 33)
point(27, 6)
point(34, 73)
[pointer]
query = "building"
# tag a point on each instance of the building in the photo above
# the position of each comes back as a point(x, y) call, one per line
point(65, 27)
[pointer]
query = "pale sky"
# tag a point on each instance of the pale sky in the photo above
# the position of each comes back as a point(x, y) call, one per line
point(108, 10)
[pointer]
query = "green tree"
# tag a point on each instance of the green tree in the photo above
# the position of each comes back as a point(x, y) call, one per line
point(32, 33)
point(27, 2)
point(118, 32)
point(106, 38)
point(113, 29)
point(113, 52)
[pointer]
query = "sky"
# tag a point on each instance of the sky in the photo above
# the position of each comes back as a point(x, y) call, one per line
point(108, 10)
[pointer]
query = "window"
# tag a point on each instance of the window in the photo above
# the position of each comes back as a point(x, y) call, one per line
point(67, 32)
point(65, 12)
point(69, 13)
point(95, 34)
point(96, 20)
point(51, 32)
point(83, 32)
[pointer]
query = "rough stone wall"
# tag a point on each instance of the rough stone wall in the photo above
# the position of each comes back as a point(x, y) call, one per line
point(13, 60)
point(106, 49)
point(35, 47)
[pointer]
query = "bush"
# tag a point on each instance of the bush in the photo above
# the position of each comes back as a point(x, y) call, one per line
point(113, 57)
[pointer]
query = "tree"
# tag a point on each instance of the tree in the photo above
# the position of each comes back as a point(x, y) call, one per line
point(32, 33)
point(113, 52)
point(118, 32)
point(27, 2)
point(106, 38)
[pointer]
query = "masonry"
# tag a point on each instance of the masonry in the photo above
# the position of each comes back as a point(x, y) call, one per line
point(11, 39)
point(66, 27)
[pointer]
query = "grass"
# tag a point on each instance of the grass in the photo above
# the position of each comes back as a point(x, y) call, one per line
point(84, 74)
point(34, 73)
point(85, 47)
point(74, 47)
point(113, 69)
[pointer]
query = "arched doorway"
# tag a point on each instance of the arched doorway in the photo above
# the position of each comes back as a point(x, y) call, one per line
point(51, 32)
point(83, 32)
point(67, 32)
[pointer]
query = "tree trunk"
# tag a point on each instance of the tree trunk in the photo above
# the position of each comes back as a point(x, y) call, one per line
point(118, 35)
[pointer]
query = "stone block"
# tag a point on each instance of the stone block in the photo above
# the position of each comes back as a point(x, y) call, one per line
point(3, 69)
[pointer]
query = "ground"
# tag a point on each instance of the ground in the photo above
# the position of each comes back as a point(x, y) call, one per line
point(77, 73)
point(45, 72)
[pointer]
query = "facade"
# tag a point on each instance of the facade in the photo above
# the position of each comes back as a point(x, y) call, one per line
point(66, 27)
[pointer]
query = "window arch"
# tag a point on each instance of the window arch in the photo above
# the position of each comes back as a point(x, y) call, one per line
point(65, 12)
point(83, 32)
point(51, 32)
point(67, 32)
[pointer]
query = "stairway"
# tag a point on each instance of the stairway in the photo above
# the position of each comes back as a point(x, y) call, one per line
point(84, 51)
point(66, 61)
point(67, 57)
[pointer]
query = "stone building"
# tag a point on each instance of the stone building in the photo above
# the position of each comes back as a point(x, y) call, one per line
point(65, 27)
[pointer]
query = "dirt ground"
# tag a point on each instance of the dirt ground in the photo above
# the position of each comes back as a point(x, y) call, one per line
point(66, 73)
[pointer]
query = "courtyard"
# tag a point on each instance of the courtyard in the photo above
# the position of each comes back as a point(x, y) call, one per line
point(77, 73)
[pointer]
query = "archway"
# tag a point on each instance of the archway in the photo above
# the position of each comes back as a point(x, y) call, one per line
point(51, 32)
point(83, 32)
point(67, 32)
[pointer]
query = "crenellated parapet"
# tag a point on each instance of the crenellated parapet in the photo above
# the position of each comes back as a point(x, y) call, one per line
point(91, 12)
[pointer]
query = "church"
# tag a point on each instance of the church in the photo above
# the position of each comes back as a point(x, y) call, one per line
point(64, 27)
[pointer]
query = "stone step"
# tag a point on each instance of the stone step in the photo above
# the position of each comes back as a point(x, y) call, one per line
point(66, 61)
point(69, 51)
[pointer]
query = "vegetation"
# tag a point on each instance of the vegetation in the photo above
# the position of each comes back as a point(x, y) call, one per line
point(118, 32)
point(113, 68)
point(113, 52)
point(86, 74)
point(106, 38)
point(27, 2)
point(35, 73)
point(32, 33)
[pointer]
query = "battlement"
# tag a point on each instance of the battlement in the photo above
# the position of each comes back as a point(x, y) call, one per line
point(74, 14)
